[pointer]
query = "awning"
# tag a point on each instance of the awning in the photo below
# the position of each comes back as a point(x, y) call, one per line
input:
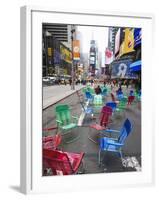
point(135, 66)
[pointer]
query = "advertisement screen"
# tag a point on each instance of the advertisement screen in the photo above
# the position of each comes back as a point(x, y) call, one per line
point(121, 69)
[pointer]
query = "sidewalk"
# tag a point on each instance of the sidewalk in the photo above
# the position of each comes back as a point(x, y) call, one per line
point(53, 94)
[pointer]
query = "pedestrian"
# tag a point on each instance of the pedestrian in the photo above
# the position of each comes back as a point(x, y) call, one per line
point(70, 81)
point(98, 90)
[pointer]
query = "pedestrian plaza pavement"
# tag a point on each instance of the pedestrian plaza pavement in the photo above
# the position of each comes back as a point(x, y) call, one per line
point(131, 160)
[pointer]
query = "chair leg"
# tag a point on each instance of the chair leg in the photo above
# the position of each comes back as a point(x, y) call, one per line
point(120, 154)
point(99, 158)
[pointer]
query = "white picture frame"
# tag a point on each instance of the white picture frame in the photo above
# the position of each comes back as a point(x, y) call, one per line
point(31, 101)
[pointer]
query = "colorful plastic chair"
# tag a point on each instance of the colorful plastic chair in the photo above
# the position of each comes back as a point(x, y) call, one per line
point(61, 163)
point(104, 121)
point(51, 142)
point(104, 91)
point(115, 144)
point(88, 96)
point(131, 100)
point(97, 103)
point(120, 96)
point(121, 105)
point(65, 121)
point(112, 104)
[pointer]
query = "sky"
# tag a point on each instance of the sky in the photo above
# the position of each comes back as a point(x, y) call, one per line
point(100, 34)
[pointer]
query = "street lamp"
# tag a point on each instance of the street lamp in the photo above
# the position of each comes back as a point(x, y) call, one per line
point(72, 72)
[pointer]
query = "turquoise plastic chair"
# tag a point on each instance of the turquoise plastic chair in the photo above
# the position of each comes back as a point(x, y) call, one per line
point(97, 103)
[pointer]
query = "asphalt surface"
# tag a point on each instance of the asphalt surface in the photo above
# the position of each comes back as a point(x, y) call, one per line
point(110, 161)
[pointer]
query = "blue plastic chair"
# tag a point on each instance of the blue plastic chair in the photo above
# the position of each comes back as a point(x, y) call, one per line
point(88, 96)
point(115, 144)
point(120, 95)
point(131, 93)
point(112, 104)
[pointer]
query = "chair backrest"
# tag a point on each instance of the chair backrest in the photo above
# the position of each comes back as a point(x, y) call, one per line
point(63, 114)
point(112, 105)
point(104, 91)
point(120, 95)
point(52, 142)
point(88, 95)
point(91, 90)
point(131, 92)
point(113, 97)
point(125, 131)
point(122, 103)
point(98, 99)
point(57, 161)
point(105, 115)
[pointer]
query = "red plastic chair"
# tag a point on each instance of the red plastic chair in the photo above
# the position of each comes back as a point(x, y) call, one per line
point(63, 163)
point(104, 121)
point(131, 99)
point(51, 142)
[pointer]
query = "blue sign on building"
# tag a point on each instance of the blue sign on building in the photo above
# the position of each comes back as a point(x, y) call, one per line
point(137, 37)
point(57, 57)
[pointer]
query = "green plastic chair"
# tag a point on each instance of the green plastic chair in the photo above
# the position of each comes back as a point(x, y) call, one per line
point(84, 90)
point(121, 105)
point(65, 121)
point(91, 90)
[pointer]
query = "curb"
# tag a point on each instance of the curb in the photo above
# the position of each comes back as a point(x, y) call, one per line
point(46, 107)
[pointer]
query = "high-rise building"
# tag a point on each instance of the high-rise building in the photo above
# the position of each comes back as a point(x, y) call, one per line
point(93, 57)
point(111, 38)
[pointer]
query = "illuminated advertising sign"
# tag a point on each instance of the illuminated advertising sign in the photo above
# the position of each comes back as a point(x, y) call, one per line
point(121, 69)
point(137, 37)
point(128, 44)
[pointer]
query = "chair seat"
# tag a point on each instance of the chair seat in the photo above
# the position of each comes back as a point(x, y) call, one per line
point(97, 127)
point(109, 145)
point(88, 110)
point(69, 126)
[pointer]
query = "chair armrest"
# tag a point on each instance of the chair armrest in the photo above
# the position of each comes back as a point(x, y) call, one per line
point(58, 121)
point(115, 143)
point(111, 131)
point(74, 117)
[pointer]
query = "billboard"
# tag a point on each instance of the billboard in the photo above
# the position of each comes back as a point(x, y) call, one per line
point(108, 56)
point(76, 50)
point(57, 57)
point(128, 44)
point(65, 54)
point(121, 69)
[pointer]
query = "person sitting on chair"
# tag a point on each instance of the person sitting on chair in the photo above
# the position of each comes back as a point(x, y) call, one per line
point(98, 90)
